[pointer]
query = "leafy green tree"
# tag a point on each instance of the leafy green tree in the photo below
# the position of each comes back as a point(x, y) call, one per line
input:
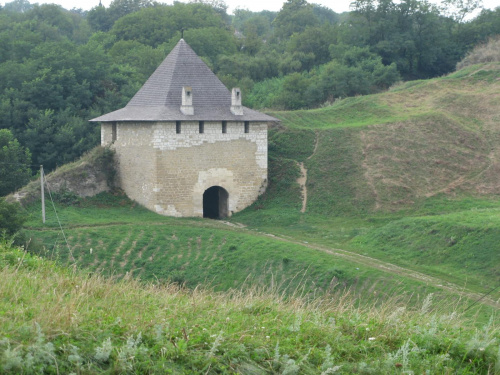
point(296, 62)
point(294, 17)
point(293, 94)
point(103, 19)
point(211, 42)
point(315, 40)
point(11, 218)
point(15, 163)
point(54, 15)
point(325, 15)
point(246, 21)
point(20, 6)
point(120, 8)
point(99, 18)
point(152, 26)
point(143, 58)
point(252, 43)
point(58, 138)
point(478, 30)
point(219, 6)
point(264, 94)
point(155, 26)
point(257, 67)
point(356, 71)
point(411, 33)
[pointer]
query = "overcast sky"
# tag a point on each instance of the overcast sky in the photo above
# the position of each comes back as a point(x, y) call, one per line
point(338, 6)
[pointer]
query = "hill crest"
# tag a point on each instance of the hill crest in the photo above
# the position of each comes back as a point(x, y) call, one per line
point(419, 140)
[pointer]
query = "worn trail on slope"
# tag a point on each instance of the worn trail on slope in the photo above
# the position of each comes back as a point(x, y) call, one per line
point(302, 183)
point(302, 180)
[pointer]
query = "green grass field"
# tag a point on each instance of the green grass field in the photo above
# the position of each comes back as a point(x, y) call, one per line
point(393, 268)
point(115, 237)
point(459, 246)
point(384, 273)
point(57, 320)
point(408, 177)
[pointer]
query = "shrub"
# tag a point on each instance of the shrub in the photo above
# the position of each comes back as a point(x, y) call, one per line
point(11, 217)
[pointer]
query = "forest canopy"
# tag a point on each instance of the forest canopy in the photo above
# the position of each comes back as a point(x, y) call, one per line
point(59, 68)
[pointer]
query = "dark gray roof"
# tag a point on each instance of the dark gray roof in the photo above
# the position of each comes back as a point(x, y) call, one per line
point(160, 97)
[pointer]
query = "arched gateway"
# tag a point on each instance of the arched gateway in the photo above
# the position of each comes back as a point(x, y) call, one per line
point(215, 200)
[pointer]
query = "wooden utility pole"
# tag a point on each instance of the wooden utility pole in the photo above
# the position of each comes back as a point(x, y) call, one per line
point(43, 194)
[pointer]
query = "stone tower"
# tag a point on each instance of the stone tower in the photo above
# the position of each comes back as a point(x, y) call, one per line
point(185, 145)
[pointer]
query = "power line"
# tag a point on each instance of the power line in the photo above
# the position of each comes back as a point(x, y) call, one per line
point(484, 296)
point(59, 221)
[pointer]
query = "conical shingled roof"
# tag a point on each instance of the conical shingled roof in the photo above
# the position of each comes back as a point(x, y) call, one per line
point(160, 97)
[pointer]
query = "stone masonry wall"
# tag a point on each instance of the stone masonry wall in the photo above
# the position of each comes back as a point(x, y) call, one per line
point(169, 172)
point(106, 134)
point(136, 160)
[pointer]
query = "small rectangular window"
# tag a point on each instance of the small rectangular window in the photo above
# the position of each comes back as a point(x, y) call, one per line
point(178, 127)
point(201, 127)
point(224, 127)
point(113, 132)
point(247, 126)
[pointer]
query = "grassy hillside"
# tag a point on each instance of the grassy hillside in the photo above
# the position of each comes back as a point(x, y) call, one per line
point(442, 245)
point(394, 176)
point(421, 139)
point(402, 209)
point(405, 190)
point(393, 151)
point(115, 237)
point(57, 320)
point(469, 91)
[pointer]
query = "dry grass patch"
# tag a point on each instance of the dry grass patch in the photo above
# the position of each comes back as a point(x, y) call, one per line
point(420, 158)
point(484, 53)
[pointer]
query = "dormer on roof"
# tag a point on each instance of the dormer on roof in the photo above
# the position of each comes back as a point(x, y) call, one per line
point(236, 107)
point(187, 101)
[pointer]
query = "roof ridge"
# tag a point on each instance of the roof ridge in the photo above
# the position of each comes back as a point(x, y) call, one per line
point(178, 45)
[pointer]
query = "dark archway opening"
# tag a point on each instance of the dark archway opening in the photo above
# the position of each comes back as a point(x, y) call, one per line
point(215, 202)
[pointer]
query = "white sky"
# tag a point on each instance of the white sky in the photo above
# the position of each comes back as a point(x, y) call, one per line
point(338, 6)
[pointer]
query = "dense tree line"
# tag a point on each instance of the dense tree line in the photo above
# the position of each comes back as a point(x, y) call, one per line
point(59, 68)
